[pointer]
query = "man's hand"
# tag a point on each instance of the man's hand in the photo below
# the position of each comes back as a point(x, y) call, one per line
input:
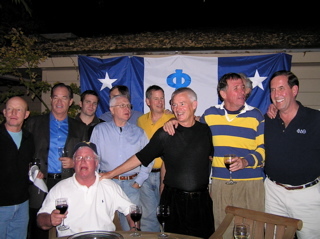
point(170, 126)
point(238, 163)
point(40, 175)
point(66, 162)
point(272, 111)
point(136, 185)
point(56, 218)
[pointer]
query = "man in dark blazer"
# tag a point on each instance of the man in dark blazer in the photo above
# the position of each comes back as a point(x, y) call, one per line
point(52, 131)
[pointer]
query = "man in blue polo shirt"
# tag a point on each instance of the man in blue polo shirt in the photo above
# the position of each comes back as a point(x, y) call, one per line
point(292, 157)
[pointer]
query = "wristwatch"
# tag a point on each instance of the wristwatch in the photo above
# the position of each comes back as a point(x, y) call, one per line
point(138, 184)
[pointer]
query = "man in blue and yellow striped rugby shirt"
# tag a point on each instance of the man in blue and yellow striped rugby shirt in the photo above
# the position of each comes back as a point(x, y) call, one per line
point(236, 128)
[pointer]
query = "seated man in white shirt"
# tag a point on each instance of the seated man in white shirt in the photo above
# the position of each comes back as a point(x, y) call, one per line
point(91, 202)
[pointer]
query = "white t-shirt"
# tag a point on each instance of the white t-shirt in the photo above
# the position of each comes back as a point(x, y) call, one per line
point(90, 208)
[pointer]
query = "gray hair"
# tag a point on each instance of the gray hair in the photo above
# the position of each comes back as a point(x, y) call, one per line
point(191, 94)
point(113, 100)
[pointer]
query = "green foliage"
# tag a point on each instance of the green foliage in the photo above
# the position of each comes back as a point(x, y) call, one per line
point(19, 57)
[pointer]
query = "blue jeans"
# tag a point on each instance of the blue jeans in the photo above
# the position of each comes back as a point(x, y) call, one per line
point(14, 221)
point(134, 196)
point(150, 198)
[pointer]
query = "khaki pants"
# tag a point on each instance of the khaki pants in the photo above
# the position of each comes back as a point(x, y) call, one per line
point(245, 194)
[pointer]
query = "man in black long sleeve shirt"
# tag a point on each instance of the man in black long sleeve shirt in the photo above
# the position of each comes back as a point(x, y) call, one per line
point(186, 158)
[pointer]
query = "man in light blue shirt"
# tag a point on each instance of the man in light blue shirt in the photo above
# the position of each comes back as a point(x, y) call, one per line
point(117, 141)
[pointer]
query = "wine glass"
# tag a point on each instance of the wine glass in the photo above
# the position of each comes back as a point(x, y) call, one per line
point(62, 153)
point(241, 231)
point(62, 205)
point(227, 162)
point(163, 212)
point(135, 214)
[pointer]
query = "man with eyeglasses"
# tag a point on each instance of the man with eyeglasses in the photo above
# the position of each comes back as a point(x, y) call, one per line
point(117, 141)
point(92, 202)
point(120, 90)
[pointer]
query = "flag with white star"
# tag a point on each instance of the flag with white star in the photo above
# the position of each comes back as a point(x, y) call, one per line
point(259, 69)
point(199, 73)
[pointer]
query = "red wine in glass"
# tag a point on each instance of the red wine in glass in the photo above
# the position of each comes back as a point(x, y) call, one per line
point(163, 212)
point(62, 208)
point(62, 205)
point(135, 214)
point(227, 162)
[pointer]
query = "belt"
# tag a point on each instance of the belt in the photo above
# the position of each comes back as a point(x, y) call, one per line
point(181, 192)
point(125, 177)
point(155, 170)
point(289, 187)
point(54, 175)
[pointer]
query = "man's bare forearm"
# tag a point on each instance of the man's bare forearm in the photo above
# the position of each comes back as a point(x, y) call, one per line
point(44, 221)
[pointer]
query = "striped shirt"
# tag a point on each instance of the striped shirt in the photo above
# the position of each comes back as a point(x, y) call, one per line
point(240, 133)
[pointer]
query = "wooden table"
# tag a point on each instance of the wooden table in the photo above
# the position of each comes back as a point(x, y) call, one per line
point(149, 235)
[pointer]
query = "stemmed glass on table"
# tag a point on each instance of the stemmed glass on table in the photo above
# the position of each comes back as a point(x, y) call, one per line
point(227, 162)
point(62, 206)
point(135, 214)
point(163, 212)
point(241, 231)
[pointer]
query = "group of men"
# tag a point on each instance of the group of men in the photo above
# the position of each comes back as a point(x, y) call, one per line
point(275, 169)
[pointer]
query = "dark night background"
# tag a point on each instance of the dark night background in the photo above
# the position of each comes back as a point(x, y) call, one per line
point(105, 17)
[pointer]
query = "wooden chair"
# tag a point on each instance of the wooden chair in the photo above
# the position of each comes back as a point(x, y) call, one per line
point(262, 225)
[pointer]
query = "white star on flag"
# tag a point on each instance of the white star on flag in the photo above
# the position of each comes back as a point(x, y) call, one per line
point(257, 80)
point(106, 82)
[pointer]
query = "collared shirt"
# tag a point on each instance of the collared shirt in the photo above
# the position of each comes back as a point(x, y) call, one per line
point(115, 145)
point(241, 134)
point(89, 208)
point(293, 152)
point(58, 136)
point(95, 120)
point(145, 122)
point(107, 117)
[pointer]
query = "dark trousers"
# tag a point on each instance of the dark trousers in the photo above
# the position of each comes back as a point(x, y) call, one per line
point(190, 212)
point(35, 232)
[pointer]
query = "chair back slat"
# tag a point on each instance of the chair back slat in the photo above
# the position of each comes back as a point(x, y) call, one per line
point(258, 230)
point(262, 225)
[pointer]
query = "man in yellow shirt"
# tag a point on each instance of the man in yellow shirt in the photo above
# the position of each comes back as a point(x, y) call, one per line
point(150, 190)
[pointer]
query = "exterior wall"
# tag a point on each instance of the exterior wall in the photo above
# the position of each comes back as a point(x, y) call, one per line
point(305, 64)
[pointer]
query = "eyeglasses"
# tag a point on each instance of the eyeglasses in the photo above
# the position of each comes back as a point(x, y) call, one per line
point(85, 158)
point(129, 106)
point(181, 104)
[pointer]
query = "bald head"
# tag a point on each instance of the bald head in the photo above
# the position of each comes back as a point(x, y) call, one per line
point(15, 112)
